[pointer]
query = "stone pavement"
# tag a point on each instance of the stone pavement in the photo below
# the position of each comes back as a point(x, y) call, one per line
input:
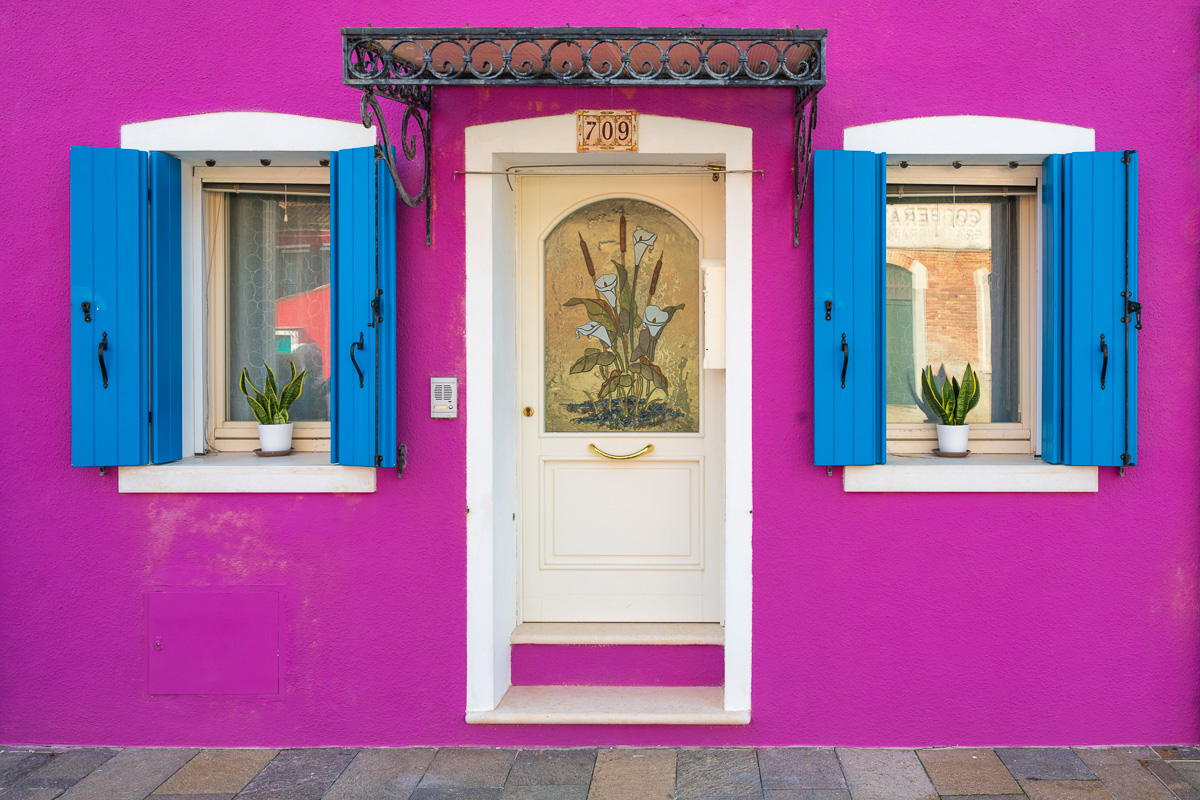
point(769, 773)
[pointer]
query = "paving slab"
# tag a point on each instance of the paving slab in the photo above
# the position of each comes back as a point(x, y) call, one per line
point(800, 768)
point(157, 796)
point(15, 766)
point(877, 774)
point(67, 768)
point(130, 774)
point(633, 774)
point(456, 793)
point(982, 797)
point(1093, 756)
point(1172, 778)
point(1179, 753)
point(716, 772)
point(555, 792)
point(303, 774)
point(45, 793)
point(806, 794)
point(967, 771)
point(382, 774)
point(1190, 770)
point(1131, 781)
point(468, 767)
point(217, 772)
point(1065, 790)
point(552, 768)
point(1044, 763)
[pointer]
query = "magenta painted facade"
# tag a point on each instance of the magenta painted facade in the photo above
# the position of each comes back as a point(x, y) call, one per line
point(879, 620)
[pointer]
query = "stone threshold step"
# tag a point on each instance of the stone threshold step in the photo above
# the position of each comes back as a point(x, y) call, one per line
point(611, 705)
point(650, 633)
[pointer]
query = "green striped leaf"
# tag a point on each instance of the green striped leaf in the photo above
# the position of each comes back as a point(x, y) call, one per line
point(929, 390)
point(291, 393)
point(260, 413)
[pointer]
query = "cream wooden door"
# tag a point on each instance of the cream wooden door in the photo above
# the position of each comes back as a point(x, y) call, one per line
point(611, 276)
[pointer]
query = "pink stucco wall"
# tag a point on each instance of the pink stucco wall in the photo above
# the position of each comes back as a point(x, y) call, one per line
point(879, 619)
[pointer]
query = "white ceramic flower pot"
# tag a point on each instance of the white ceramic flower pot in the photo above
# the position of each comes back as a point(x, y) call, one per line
point(275, 438)
point(953, 438)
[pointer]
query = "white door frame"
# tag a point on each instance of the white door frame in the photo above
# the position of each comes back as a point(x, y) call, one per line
point(492, 400)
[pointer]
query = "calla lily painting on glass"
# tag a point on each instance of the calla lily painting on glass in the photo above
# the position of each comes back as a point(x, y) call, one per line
point(622, 340)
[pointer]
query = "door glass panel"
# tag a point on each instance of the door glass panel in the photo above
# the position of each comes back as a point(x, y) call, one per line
point(622, 337)
point(952, 300)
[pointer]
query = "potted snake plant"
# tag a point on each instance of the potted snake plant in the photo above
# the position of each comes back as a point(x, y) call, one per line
point(951, 402)
point(270, 408)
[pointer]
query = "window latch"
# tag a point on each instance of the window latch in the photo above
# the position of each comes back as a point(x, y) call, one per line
point(376, 314)
point(1132, 309)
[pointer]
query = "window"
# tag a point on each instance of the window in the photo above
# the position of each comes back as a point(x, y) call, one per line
point(267, 259)
point(1060, 369)
point(188, 258)
point(959, 288)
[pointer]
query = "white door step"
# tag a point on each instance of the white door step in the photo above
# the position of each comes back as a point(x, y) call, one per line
point(652, 633)
point(611, 705)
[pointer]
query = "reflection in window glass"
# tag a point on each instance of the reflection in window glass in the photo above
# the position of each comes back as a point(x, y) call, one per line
point(278, 297)
point(952, 300)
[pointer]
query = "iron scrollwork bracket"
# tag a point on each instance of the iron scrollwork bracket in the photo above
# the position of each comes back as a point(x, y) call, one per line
point(418, 107)
point(805, 124)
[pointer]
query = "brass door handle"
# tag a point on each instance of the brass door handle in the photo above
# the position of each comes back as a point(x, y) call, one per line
point(647, 449)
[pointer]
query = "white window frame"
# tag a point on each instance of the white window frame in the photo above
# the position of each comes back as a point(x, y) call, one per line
point(987, 437)
point(221, 434)
point(973, 140)
point(234, 139)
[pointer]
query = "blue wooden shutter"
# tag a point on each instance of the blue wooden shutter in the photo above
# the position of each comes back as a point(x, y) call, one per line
point(1099, 275)
point(109, 271)
point(1052, 309)
point(849, 205)
point(363, 316)
point(166, 313)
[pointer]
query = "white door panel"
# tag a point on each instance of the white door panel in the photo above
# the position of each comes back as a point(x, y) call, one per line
point(611, 351)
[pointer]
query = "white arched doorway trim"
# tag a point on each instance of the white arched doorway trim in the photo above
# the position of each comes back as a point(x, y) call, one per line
point(491, 392)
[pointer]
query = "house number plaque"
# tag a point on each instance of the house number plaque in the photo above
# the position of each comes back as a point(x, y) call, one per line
point(605, 130)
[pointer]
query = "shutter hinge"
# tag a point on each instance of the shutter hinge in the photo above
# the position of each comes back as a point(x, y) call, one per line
point(1127, 157)
point(378, 460)
point(149, 417)
point(401, 459)
point(1132, 308)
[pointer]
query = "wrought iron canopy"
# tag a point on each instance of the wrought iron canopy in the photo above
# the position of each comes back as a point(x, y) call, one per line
point(403, 64)
point(584, 57)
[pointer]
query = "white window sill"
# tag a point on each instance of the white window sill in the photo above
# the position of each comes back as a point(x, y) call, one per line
point(975, 473)
point(298, 473)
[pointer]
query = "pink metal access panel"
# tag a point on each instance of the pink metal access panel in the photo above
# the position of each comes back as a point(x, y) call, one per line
point(214, 641)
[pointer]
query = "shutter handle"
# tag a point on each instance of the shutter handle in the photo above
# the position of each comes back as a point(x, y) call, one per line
point(100, 354)
point(354, 361)
point(845, 359)
point(1104, 365)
